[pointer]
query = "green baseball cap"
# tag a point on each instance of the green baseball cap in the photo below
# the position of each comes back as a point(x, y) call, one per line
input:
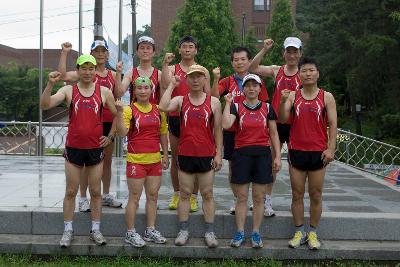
point(141, 80)
point(84, 59)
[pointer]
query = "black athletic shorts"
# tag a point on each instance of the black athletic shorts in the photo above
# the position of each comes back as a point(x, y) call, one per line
point(174, 125)
point(229, 144)
point(195, 164)
point(106, 128)
point(84, 157)
point(305, 160)
point(283, 132)
point(251, 168)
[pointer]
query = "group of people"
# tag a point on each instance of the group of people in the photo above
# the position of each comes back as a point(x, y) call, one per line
point(178, 107)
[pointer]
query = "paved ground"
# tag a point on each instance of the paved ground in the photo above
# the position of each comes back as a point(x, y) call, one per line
point(40, 182)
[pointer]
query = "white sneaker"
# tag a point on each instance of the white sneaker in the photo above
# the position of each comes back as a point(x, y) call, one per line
point(134, 239)
point(268, 212)
point(66, 239)
point(152, 235)
point(97, 237)
point(182, 238)
point(211, 240)
point(110, 201)
point(84, 205)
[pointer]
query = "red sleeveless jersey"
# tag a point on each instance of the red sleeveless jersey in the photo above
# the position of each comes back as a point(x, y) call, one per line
point(182, 89)
point(197, 129)
point(155, 88)
point(252, 126)
point(144, 132)
point(309, 127)
point(108, 82)
point(282, 81)
point(85, 125)
point(230, 85)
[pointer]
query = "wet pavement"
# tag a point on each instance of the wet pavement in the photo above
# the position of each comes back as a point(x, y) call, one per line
point(40, 182)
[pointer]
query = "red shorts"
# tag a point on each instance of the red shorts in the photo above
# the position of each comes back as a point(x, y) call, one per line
point(137, 171)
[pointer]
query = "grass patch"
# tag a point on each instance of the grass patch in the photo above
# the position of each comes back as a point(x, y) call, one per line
point(121, 261)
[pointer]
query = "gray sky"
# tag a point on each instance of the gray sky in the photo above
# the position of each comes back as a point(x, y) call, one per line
point(20, 28)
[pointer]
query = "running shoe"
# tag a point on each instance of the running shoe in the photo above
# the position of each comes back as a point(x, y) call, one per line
point(194, 205)
point(233, 208)
point(66, 239)
point(211, 240)
point(173, 205)
point(312, 241)
point(84, 205)
point(182, 238)
point(297, 240)
point(238, 239)
point(268, 212)
point(152, 235)
point(134, 239)
point(97, 237)
point(256, 241)
point(110, 201)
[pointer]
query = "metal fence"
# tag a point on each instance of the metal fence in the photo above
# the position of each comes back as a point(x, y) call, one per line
point(352, 149)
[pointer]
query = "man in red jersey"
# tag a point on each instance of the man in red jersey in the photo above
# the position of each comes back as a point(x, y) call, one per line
point(310, 148)
point(240, 59)
point(199, 148)
point(108, 79)
point(187, 51)
point(286, 77)
point(83, 147)
point(145, 50)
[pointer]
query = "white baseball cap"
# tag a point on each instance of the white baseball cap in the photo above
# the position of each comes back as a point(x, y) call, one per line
point(97, 43)
point(292, 41)
point(249, 77)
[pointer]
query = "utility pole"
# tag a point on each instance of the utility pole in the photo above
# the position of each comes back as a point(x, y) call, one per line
point(80, 27)
point(98, 20)
point(134, 37)
point(39, 149)
point(243, 28)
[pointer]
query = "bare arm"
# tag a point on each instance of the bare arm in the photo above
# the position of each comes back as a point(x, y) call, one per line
point(48, 101)
point(217, 133)
point(166, 103)
point(214, 88)
point(330, 105)
point(166, 73)
point(286, 105)
point(227, 118)
point(207, 88)
point(117, 78)
point(109, 100)
point(276, 146)
point(70, 76)
point(255, 67)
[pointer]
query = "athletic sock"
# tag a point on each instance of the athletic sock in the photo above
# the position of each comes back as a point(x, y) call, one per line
point(133, 230)
point(184, 225)
point(300, 228)
point(209, 227)
point(68, 226)
point(95, 225)
point(312, 229)
point(82, 198)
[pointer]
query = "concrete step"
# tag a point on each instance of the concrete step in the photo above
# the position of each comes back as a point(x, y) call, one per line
point(273, 248)
point(333, 225)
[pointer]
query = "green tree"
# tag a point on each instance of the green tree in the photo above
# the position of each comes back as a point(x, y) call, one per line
point(19, 87)
point(358, 55)
point(211, 23)
point(281, 26)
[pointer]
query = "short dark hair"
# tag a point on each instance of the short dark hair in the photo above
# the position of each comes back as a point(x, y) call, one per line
point(241, 49)
point(188, 39)
point(307, 60)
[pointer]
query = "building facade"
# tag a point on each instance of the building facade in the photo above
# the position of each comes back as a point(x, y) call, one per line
point(257, 15)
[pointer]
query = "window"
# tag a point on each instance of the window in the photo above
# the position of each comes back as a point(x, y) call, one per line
point(259, 5)
point(267, 4)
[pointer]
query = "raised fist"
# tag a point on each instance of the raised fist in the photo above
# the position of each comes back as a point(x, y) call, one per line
point(228, 98)
point(66, 46)
point(285, 94)
point(54, 76)
point(119, 66)
point(217, 72)
point(168, 58)
point(268, 43)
